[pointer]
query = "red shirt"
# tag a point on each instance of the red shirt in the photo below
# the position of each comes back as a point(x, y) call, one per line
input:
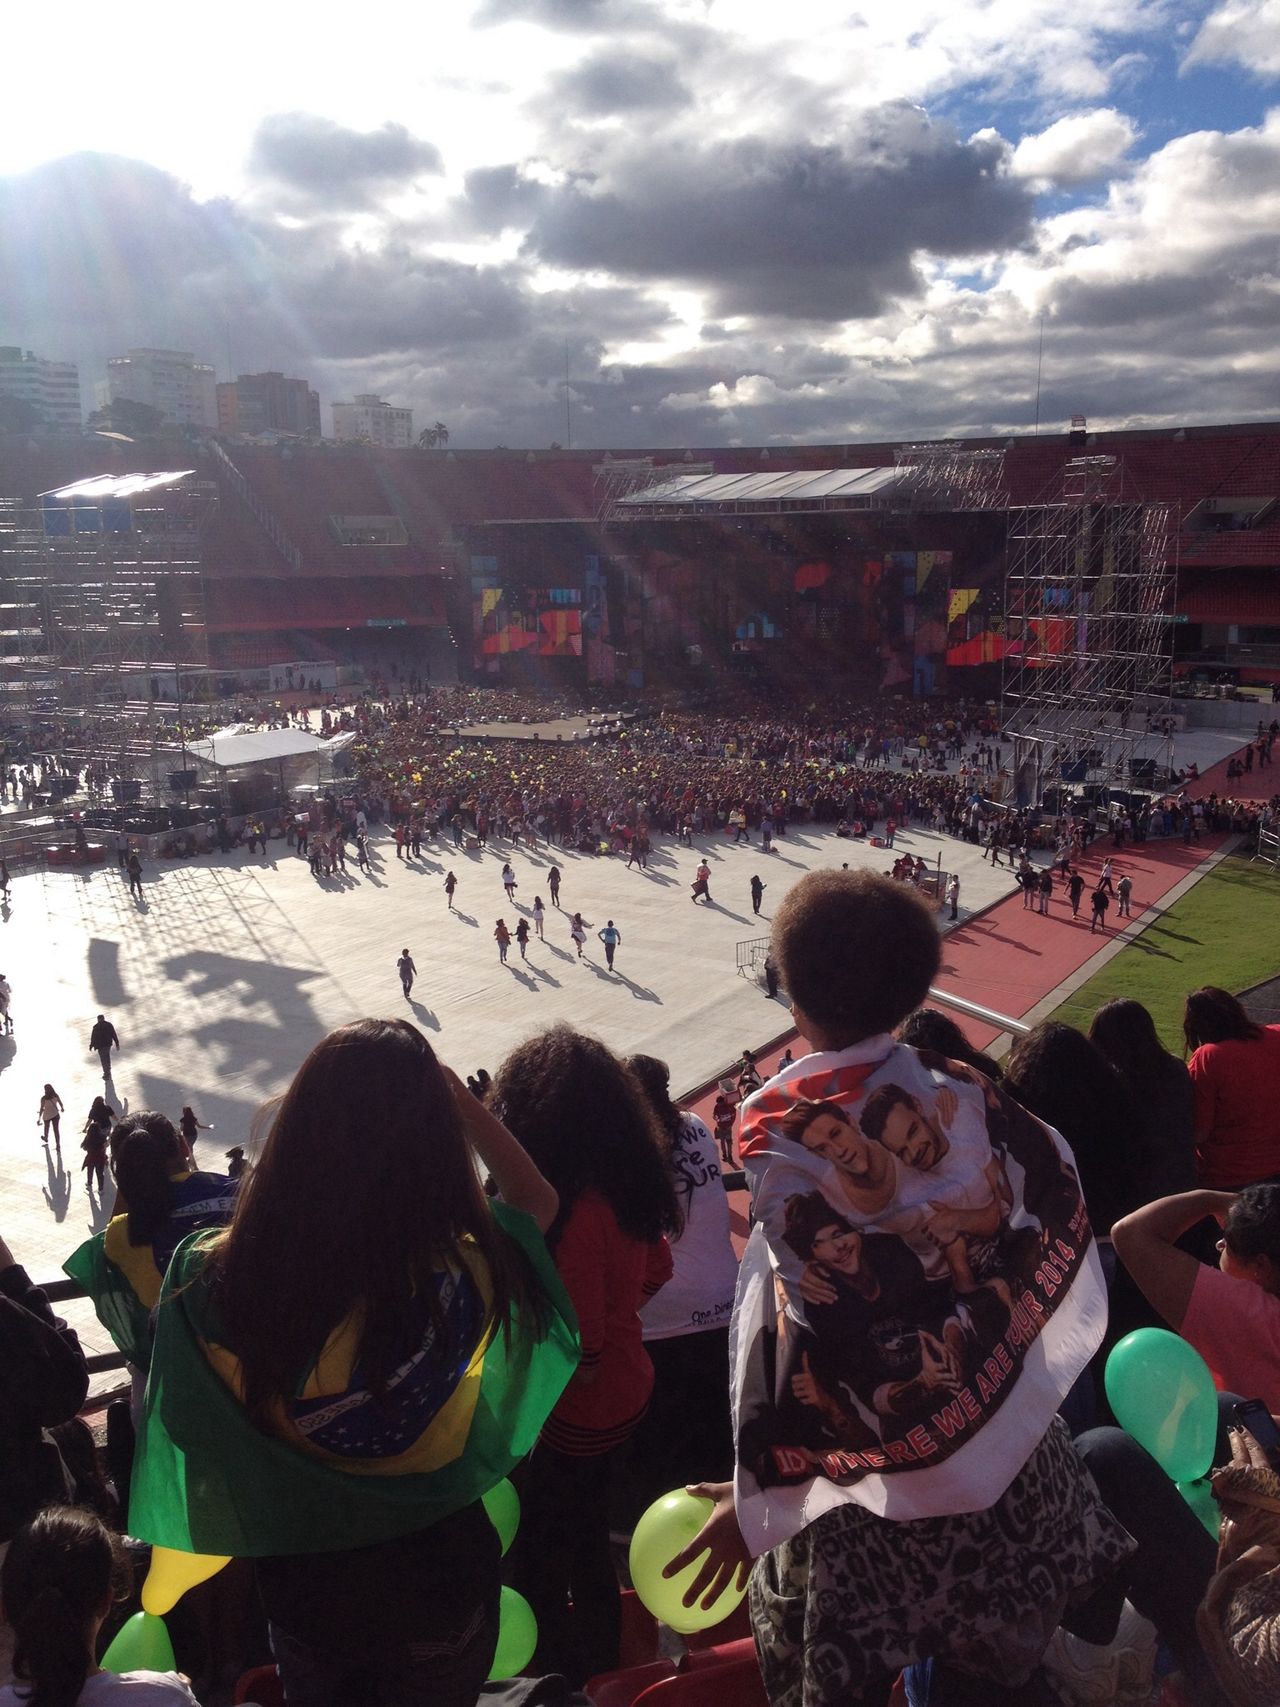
point(1237, 1110)
point(608, 1275)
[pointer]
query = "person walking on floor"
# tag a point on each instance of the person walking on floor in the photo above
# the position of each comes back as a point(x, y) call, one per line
point(6, 997)
point(1101, 901)
point(539, 915)
point(578, 931)
point(134, 868)
point(757, 895)
point(502, 936)
point(953, 895)
point(103, 1039)
point(509, 884)
point(553, 884)
point(1044, 888)
point(50, 1109)
point(610, 936)
point(1124, 890)
point(407, 970)
point(1075, 888)
point(1104, 881)
point(94, 1145)
point(701, 883)
point(450, 884)
point(522, 937)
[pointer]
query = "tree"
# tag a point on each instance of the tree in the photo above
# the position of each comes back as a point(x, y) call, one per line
point(430, 437)
point(123, 415)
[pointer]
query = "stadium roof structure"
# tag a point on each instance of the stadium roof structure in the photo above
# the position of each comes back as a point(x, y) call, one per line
point(773, 493)
point(100, 487)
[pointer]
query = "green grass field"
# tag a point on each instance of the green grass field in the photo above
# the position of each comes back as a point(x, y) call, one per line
point(1224, 931)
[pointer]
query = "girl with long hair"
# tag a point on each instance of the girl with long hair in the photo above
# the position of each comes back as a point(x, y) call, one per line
point(1160, 1088)
point(1059, 1075)
point(584, 1120)
point(1235, 1070)
point(50, 1111)
point(59, 1579)
point(686, 1435)
point(358, 1359)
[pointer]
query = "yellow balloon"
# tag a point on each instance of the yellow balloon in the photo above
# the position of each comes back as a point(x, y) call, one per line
point(172, 1574)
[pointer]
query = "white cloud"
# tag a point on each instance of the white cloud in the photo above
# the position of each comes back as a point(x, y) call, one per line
point(1240, 32)
point(1079, 149)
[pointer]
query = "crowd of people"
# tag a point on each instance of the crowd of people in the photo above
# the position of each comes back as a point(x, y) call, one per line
point(337, 1353)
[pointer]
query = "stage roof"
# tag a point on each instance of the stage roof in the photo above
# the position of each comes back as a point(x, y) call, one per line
point(102, 486)
point(794, 489)
point(228, 749)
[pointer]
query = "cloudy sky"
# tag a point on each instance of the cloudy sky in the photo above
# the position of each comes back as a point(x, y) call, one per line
point(744, 221)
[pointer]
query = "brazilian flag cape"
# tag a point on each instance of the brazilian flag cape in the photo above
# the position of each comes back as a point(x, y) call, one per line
point(115, 1300)
point(206, 1480)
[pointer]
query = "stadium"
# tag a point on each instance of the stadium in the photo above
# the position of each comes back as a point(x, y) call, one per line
point(302, 732)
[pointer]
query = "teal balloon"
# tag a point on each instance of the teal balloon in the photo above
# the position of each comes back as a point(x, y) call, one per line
point(666, 1529)
point(1199, 1496)
point(140, 1644)
point(502, 1503)
point(517, 1637)
point(1163, 1395)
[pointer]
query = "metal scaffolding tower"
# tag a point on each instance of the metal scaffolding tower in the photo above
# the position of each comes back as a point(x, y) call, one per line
point(1088, 664)
point(102, 623)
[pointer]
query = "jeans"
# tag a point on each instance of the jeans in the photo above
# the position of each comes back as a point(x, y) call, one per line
point(1167, 1577)
point(411, 1622)
point(562, 1553)
point(448, 1672)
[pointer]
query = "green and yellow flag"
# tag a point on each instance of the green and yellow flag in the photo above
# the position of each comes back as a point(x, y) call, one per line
point(206, 1480)
point(115, 1298)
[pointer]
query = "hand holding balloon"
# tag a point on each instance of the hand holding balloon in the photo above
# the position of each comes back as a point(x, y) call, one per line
point(688, 1561)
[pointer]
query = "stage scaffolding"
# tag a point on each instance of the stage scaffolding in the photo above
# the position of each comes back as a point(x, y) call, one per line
point(1089, 594)
point(948, 476)
point(102, 622)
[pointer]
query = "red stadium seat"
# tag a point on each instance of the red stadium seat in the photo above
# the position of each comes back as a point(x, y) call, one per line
point(261, 1685)
point(733, 1683)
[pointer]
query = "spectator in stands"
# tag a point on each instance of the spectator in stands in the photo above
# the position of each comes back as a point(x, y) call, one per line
point(160, 1198)
point(1230, 1314)
point(59, 1579)
point(1160, 1092)
point(841, 1606)
point(1056, 1073)
point(357, 1286)
point(1235, 1070)
point(43, 1383)
point(935, 1033)
point(586, 1123)
point(685, 1435)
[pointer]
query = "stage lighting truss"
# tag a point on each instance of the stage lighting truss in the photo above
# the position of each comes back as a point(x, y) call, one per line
point(1088, 634)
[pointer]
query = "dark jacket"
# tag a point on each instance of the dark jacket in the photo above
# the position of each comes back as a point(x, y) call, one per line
point(43, 1382)
point(103, 1035)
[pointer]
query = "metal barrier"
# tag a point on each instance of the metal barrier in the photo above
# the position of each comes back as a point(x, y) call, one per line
point(752, 952)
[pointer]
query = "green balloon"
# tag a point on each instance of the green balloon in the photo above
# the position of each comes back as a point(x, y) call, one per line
point(517, 1637)
point(1199, 1496)
point(502, 1503)
point(1163, 1395)
point(668, 1527)
point(140, 1644)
